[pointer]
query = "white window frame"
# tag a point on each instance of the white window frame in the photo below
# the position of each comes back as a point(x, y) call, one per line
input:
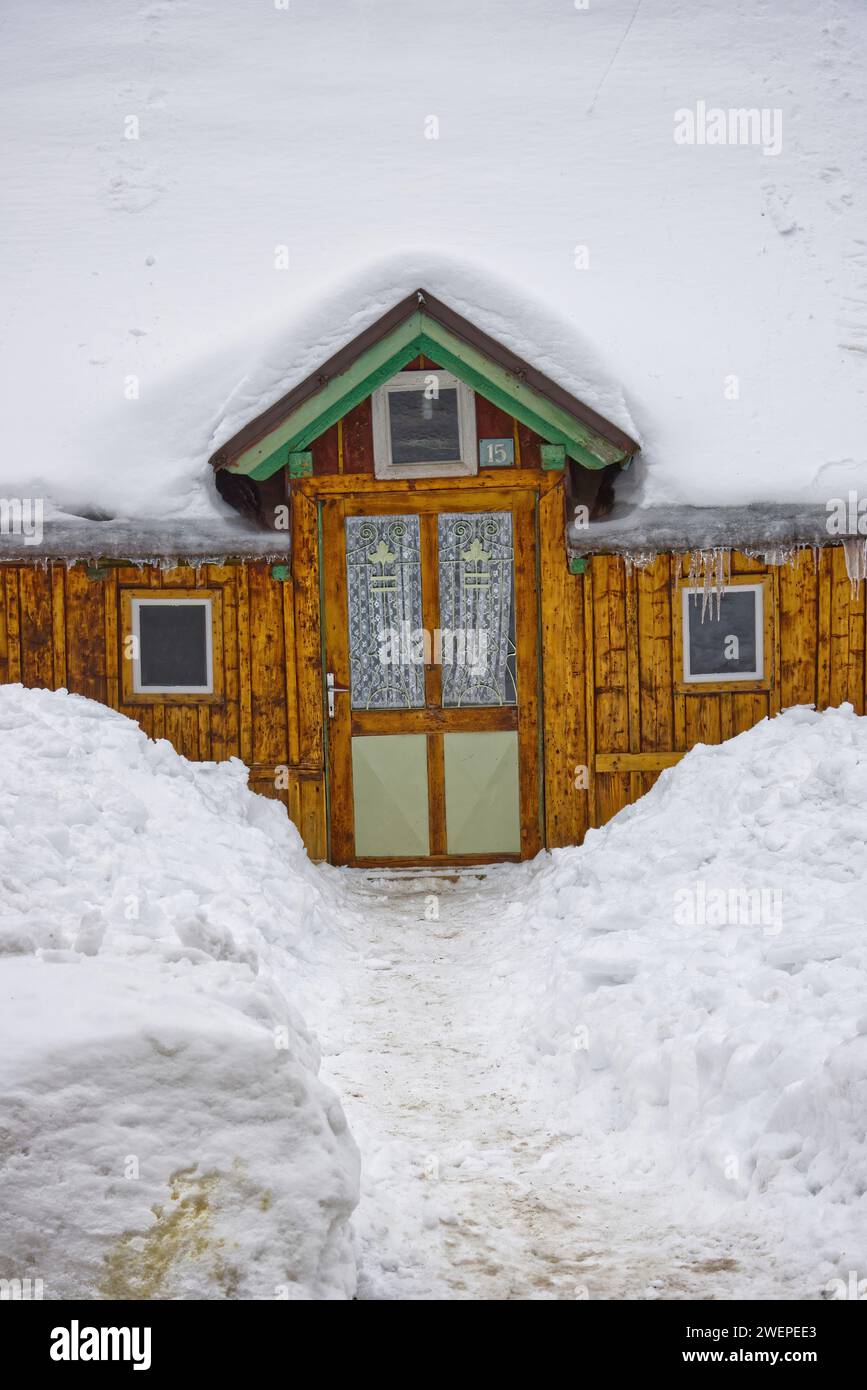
point(138, 688)
point(467, 465)
point(691, 608)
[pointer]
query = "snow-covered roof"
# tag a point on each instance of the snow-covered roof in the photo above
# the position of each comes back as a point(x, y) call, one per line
point(201, 206)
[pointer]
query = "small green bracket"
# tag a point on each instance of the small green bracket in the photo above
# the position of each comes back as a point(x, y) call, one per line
point(300, 465)
point(577, 564)
point(96, 572)
point(280, 573)
point(553, 456)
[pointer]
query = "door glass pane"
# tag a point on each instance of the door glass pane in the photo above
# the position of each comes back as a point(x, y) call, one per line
point(482, 809)
point(389, 788)
point(383, 573)
point(477, 618)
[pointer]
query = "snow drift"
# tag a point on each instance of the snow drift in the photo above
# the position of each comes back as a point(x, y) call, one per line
point(164, 1132)
point(692, 980)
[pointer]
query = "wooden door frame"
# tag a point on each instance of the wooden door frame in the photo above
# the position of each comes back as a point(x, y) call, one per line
point(339, 496)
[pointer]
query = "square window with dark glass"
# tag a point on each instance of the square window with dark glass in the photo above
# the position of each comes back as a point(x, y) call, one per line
point(424, 428)
point(173, 640)
point(723, 634)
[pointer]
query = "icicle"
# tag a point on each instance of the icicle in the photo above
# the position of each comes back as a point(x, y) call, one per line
point(710, 572)
point(855, 551)
point(638, 559)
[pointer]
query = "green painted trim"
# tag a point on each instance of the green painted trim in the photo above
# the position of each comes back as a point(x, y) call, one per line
point(300, 464)
point(280, 573)
point(554, 424)
point(577, 564)
point(420, 334)
point(315, 415)
point(96, 572)
point(553, 456)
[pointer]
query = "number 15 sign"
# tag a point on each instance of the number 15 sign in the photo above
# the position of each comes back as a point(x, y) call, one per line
point(496, 453)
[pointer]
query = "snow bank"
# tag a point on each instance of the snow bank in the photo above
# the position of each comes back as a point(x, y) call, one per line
point(700, 1032)
point(164, 1132)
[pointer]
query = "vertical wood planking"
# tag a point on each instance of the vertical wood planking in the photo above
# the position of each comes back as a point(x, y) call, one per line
point(85, 633)
point(245, 695)
point(358, 439)
point(823, 661)
point(268, 696)
point(305, 566)
point(58, 627)
point(857, 671)
point(4, 635)
point(797, 628)
point(567, 810)
point(654, 656)
point(633, 676)
point(37, 630)
point(136, 577)
point(612, 700)
point(110, 608)
point(224, 720)
point(838, 684)
point(590, 692)
point(13, 624)
point(291, 669)
point(312, 817)
point(309, 674)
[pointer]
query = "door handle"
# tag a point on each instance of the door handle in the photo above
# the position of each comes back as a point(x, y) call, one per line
point(332, 690)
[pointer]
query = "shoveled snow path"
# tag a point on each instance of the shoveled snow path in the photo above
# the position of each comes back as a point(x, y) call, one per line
point(468, 1191)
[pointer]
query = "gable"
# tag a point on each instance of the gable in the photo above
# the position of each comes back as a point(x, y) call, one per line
point(422, 326)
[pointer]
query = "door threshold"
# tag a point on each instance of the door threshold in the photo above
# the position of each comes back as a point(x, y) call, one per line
point(436, 861)
point(425, 876)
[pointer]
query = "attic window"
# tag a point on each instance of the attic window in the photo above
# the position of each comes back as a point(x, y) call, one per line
point(171, 645)
point(723, 634)
point(424, 426)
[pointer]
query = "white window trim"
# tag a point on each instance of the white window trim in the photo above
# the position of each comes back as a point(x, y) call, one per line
point(692, 607)
point(138, 688)
point(465, 466)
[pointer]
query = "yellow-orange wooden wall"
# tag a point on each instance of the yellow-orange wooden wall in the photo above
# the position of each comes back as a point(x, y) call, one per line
point(610, 699)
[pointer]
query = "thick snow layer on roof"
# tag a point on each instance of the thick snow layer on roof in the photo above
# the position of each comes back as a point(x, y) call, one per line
point(166, 160)
point(168, 1134)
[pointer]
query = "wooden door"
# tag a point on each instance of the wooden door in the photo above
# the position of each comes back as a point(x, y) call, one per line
point(430, 629)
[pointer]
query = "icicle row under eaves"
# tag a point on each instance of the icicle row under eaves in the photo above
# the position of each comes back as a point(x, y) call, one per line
point(709, 572)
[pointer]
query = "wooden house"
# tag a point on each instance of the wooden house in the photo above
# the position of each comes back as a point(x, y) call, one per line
point(430, 636)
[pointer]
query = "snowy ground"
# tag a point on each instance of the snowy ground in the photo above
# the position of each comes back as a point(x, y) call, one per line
point(634, 1068)
point(467, 1191)
point(607, 1073)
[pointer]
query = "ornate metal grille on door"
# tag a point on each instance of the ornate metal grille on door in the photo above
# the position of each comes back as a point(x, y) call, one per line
point(383, 573)
point(476, 584)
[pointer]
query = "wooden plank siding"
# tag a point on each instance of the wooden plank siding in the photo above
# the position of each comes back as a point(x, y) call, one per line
point(817, 630)
point(61, 629)
point(609, 696)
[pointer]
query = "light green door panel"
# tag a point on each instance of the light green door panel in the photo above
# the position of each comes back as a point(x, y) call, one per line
point(482, 801)
point(389, 788)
